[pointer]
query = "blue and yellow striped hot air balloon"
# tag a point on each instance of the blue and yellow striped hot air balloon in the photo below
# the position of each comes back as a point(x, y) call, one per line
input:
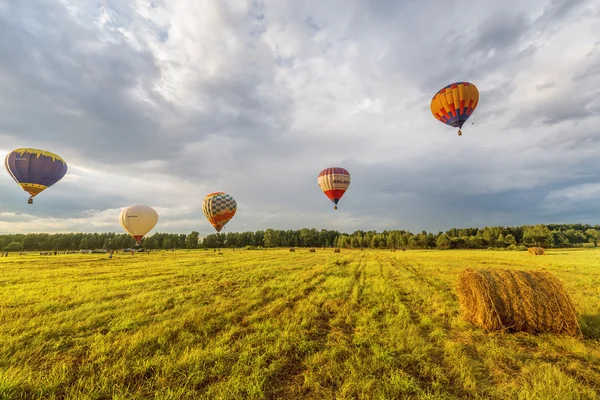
point(454, 104)
point(35, 170)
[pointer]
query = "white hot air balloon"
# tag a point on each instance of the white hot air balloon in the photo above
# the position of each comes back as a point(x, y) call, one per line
point(138, 220)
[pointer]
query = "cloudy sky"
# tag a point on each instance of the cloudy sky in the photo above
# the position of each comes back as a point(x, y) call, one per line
point(162, 102)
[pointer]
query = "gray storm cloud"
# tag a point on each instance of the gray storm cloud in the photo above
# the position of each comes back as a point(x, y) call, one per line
point(161, 103)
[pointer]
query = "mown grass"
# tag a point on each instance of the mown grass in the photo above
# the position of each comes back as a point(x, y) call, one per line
point(274, 324)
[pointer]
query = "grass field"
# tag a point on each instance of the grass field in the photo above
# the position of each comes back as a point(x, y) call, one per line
point(273, 324)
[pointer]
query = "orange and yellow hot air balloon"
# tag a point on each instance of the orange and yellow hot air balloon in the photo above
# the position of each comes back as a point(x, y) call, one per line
point(219, 208)
point(334, 182)
point(454, 104)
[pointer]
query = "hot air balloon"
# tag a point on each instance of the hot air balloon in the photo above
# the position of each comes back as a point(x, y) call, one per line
point(454, 104)
point(219, 208)
point(334, 182)
point(35, 170)
point(138, 220)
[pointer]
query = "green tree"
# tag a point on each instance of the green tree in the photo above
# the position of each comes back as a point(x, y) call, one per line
point(149, 243)
point(30, 242)
point(375, 242)
point(510, 240)
point(14, 246)
point(538, 235)
point(458, 243)
point(593, 236)
point(191, 242)
point(443, 242)
point(501, 241)
point(271, 238)
point(576, 237)
point(413, 242)
point(210, 241)
point(488, 236)
point(476, 242)
point(259, 239)
point(422, 239)
point(403, 241)
point(63, 242)
point(305, 237)
point(390, 241)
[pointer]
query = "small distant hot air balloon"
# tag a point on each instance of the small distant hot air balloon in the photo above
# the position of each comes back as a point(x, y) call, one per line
point(454, 104)
point(334, 182)
point(219, 208)
point(35, 170)
point(138, 220)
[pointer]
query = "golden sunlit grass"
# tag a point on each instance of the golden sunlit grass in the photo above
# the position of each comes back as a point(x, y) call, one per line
point(278, 324)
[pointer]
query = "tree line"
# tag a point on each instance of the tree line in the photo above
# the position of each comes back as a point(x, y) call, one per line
point(512, 238)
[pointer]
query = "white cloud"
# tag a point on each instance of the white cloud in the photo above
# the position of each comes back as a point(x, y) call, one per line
point(573, 198)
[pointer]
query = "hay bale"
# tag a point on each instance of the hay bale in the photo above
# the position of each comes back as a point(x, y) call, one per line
point(516, 301)
point(336, 250)
point(536, 251)
point(312, 250)
point(292, 249)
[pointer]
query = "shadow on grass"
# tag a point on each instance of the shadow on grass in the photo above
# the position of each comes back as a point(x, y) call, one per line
point(590, 326)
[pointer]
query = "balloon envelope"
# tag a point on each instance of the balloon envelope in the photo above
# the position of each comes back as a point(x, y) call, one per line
point(219, 208)
point(35, 170)
point(138, 220)
point(334, 182)
point(454, 104)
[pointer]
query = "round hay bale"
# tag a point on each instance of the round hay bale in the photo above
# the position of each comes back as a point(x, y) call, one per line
point(536, 251)
point(516, 301)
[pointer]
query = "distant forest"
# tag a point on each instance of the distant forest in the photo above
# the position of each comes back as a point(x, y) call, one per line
point(496, 237)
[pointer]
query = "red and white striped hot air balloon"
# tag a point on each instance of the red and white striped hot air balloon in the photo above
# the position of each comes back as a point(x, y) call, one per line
point(334, 182)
